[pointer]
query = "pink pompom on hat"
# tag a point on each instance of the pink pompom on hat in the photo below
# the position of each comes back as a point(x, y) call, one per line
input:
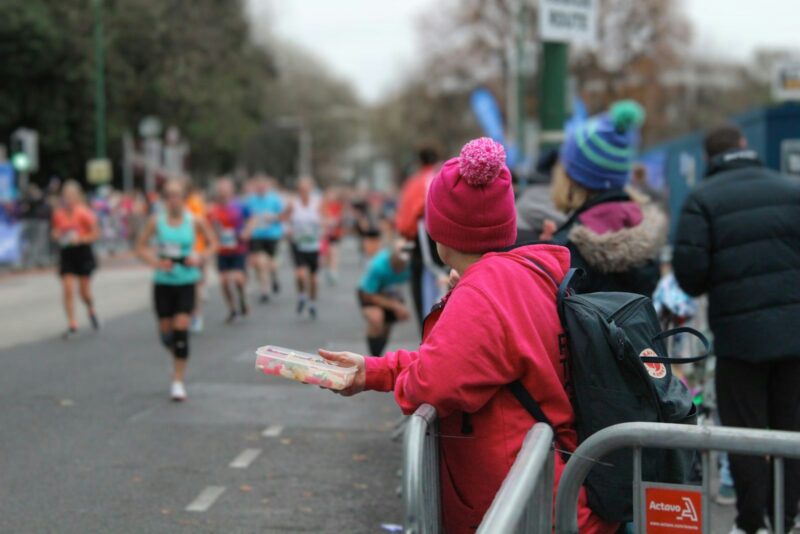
point(470, 204)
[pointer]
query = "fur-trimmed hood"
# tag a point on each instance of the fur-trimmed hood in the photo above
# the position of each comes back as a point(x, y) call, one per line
point(620, 249)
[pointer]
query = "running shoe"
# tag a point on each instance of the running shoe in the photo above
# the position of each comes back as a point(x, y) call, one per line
point(264, 298)
point(197, 324)
point(330, 278)
point(276, 287)
point(312, 311)
point(301, 305)
point(94, 321)
point(726, 495)
point(71, 333)
point(244, 309)
point(177, 391)
point(231, 317)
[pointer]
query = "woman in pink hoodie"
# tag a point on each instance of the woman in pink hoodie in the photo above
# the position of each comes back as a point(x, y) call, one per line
point(499, 324)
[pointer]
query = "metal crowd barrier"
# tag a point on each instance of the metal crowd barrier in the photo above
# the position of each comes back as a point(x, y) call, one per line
point(745, 441)
point(35, 246)
point(525, 500)
point(421, 473)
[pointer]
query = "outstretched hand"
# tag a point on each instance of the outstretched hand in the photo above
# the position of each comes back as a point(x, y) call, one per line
point(349, 359)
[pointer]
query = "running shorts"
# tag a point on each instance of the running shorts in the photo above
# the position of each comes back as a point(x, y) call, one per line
point(389, 316)
point(171, 300)
point(268, 246)
point(309, 260)
point(230, 262)
point(77, 260)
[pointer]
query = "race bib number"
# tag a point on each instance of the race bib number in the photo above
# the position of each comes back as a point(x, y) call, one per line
point(170, 250)
point(227, 238)
point(307, 234)
point(265, 221)
point(68, 238)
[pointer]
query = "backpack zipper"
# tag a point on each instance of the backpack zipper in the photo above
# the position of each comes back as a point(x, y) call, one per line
point(623, 313)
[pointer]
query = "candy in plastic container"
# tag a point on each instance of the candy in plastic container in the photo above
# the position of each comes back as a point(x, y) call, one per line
point(304, 367)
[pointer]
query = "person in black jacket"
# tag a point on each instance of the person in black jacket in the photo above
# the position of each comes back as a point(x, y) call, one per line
point(614, 238)
point(738, 240)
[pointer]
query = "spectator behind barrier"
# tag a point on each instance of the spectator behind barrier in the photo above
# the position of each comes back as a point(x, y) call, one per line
point(738, 240)
point(537, 217)
point(614, 237)
point(497, 325)
point(410, 209)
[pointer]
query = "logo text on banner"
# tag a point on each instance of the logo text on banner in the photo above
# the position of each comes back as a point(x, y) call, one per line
point(670, 508)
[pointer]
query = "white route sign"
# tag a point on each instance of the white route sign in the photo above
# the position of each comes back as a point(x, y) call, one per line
point(568, 21)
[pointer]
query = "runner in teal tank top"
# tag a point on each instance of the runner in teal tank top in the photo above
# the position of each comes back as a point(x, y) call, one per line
point(173, 232)
point(176, 244)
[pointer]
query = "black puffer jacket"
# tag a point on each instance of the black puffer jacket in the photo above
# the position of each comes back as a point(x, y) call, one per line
point(616, 242)
point(738, 240)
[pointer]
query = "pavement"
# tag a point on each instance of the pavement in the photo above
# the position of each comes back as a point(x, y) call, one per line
point(91, 443)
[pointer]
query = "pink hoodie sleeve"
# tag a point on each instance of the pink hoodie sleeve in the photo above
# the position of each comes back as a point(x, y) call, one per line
point(460, 366)
point(382, 372)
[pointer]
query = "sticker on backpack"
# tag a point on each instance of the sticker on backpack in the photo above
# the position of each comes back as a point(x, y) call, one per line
point(656, 370)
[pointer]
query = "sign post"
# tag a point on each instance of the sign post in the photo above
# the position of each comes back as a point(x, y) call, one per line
point(561, 22)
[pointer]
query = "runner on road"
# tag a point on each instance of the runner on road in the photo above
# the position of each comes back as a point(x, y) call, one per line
point(176, 274)
point(379, 294)
point(75, 228)
point(305, 218)
point(333, 215)
point(227, 217)
point(196, 204)
point(266, 207)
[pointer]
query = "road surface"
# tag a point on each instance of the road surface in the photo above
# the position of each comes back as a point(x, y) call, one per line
point(91, 443)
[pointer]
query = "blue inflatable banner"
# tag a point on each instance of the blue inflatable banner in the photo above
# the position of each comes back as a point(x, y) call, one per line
point(489, 116)
point(10, 243)
point(7, 188)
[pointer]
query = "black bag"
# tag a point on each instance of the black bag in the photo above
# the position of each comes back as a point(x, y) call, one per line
point(618, 372)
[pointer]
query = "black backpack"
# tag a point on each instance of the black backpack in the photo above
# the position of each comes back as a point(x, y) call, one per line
point(618, 372)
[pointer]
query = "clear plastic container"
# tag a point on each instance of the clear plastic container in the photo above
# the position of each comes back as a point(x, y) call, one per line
point(304, 367)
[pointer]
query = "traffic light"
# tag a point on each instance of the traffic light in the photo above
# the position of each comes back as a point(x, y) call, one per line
point(24, 150)
point(19, 159)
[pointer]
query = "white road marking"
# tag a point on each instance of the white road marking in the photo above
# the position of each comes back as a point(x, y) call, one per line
point(206, 498)
point(245, 458)
point(273, 431)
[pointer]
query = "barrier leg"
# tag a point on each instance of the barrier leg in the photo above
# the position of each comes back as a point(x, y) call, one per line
point(778, 495)
point(545, 508)
point(706, 462)
point(638, 517)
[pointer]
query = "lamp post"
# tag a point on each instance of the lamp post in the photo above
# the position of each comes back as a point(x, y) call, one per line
point(304, 141)
point(99, 81)
point(553, 102)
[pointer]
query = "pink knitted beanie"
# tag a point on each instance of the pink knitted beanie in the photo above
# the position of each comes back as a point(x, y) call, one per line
point(470, 204)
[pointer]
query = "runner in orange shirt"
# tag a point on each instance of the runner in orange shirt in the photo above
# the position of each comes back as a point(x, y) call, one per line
point(196, 205)
point(75, 228)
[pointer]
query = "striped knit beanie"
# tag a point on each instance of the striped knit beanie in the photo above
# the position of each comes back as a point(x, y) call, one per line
point(599, 153)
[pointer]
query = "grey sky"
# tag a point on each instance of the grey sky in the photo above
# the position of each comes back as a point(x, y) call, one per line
point(373, 42)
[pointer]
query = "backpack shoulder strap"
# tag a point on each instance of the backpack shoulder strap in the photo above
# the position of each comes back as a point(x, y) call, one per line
point(528, 402)
point(561, 287)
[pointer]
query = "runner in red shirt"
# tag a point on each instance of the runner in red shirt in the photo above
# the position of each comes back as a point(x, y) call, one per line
point(227, 218)
point(332, 215)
